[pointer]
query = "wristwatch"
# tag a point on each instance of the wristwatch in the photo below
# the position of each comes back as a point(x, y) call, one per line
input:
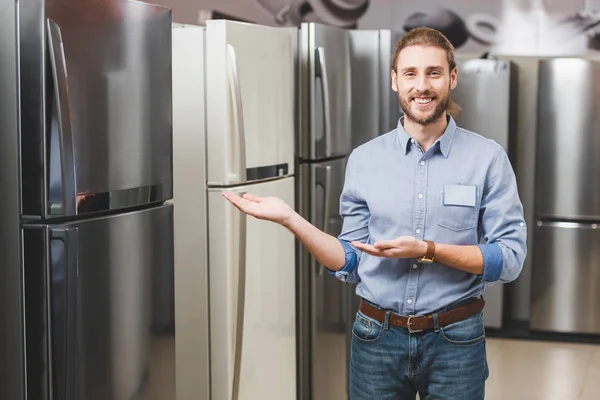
point(429, 255)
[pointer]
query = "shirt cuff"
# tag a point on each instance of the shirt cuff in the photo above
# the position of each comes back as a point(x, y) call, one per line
point(349, 273)
point(492, 261)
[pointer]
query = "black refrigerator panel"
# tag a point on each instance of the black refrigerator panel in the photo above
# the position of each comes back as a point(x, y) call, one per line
point(11, 332)
point(565, 296)
point(95, 106)
point(568, 143)
point(100, 308)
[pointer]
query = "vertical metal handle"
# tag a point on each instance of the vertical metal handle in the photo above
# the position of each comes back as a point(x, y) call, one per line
point(67, 387)
point(62, 103)
point(238, 113)
point(321, 72)
point(325, 182)
point(241, 301)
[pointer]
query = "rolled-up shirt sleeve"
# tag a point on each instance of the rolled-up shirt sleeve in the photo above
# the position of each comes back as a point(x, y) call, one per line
point(503, 225)
point(355, 214)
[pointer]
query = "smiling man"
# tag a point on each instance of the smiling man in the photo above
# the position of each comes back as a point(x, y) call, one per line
point(431, 216)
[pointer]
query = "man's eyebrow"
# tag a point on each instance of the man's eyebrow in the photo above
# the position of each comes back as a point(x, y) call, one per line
point(431, 67)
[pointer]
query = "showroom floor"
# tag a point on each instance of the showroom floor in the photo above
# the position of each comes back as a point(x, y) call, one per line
point(531, 370)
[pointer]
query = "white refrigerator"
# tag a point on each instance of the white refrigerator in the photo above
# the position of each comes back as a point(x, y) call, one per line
point(233, 129)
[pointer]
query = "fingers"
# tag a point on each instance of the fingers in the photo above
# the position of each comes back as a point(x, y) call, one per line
point(252, 198)
point(385, 244)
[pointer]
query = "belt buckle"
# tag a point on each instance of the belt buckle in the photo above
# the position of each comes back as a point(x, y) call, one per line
point(410, 329)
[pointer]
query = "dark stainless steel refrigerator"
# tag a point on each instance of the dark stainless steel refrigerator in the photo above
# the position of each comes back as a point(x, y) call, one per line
point(324, 143)
point(486, 92)
point(96, 270)
point(566, 251)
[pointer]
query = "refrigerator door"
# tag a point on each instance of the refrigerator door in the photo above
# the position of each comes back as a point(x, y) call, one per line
point(568, 144)
point(252, 299)
point(250, 115)
point(565, 296)
point(100, 294)
point(375, 106)
point(96, 106)
point(325, 83)
point(485, 85)
point(325, 302)
point(366, 99)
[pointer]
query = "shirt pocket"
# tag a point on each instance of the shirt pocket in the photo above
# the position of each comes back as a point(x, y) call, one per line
point(459, 207)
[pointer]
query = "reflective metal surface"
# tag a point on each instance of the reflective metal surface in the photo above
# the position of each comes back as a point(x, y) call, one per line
point(486, 85)
point(326, 303)
point(568, 150)
point(117, 95)
point(375, 106)
point(100, 292)
point(565, 296)
point(326, 98)
point(11, 333)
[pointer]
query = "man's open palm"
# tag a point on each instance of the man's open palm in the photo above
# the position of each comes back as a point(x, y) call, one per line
point(267, 208)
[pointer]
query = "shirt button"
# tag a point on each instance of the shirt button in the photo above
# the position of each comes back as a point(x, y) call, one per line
point(415, 266)
point(422, 162)
point(420, 195)
point(521, 224)
point(418, 231)
point(409, 301)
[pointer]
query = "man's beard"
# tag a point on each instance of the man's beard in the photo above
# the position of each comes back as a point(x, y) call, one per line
point(439, 110)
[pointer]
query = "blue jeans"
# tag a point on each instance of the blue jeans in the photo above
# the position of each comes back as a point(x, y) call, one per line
point(447, 363)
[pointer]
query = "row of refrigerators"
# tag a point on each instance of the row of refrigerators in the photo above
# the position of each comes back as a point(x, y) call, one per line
point(126, 271)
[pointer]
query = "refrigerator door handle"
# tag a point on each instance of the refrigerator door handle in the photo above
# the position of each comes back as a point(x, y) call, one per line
point(325, 182)
point(241, 300)
point(321, 72)
point(67, 206)
point(67, 387)
point(238, 113)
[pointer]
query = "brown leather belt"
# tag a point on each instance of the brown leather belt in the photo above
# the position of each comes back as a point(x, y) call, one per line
point(425, 322)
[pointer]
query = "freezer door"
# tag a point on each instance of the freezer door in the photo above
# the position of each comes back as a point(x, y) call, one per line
point(250, 114)
point(252, 299)
point(325, 84)
point(566, 271)
point(99, 308)
point(366, 100)
point(325, 302)
point(96, 105)
point(485, 85)
point(568, 144)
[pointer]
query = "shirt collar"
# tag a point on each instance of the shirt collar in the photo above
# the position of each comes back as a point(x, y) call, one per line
point(445, 141)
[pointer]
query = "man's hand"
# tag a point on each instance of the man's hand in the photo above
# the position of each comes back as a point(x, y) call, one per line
point(267, 208)
point(401, 247)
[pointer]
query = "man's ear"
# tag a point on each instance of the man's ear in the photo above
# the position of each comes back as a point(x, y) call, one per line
point(394, 83)
point(453, 78)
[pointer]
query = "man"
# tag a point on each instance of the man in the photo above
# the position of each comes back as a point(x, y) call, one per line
point(431, 215)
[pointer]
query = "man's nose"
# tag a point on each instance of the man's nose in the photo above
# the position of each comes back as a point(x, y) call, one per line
point(422, 83)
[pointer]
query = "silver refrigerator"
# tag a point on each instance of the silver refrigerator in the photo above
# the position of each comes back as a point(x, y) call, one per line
point(566, 252)
point(324, 143)
point(96, 234)
point(345, 99)
point(486, 91)
point(375, 106)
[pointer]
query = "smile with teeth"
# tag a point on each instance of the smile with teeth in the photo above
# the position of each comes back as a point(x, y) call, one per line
point(423, 100)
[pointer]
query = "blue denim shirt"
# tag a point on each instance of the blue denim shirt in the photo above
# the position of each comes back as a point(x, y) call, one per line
point(461, 191)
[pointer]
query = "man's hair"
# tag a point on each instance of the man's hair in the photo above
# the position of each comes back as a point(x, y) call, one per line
point(424, 36)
